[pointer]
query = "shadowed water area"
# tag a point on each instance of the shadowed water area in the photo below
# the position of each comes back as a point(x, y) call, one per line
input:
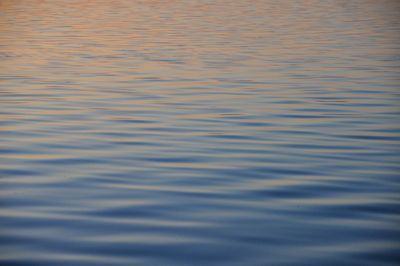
point(180, 133)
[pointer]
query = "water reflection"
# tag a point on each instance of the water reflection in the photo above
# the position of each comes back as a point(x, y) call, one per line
point(199, 132)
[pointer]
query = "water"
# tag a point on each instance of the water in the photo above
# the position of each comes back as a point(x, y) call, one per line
point(199, 133)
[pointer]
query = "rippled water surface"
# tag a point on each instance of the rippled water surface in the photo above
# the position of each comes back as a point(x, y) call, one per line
point(179, 133)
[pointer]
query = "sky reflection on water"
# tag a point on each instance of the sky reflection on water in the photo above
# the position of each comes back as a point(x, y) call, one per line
point(199, 132)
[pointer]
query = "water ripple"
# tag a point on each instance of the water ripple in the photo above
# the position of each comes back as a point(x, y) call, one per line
point(199, 133)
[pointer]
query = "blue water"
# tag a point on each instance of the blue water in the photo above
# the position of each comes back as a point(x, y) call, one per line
point(179, 133)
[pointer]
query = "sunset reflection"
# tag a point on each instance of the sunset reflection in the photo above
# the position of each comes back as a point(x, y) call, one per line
point(199, 132)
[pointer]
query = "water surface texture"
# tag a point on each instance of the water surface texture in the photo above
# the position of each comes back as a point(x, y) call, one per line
point(179, 133)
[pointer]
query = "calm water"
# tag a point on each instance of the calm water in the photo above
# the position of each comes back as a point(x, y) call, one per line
point(180, 133)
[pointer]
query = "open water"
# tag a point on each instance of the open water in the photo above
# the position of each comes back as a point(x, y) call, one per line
point(184, 132)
